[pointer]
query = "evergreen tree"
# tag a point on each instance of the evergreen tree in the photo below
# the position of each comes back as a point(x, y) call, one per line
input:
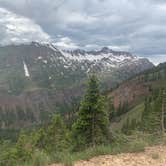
point(145, 114)
point(163, 109)
point(24, 148)
point(111, 108)
point(56, 136)
point(123, 108)
point(91, 127)
point(125, 127)
point(153, 118)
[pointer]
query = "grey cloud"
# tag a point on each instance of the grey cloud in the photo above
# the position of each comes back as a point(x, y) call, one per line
point(137, 25)
point(16, 29)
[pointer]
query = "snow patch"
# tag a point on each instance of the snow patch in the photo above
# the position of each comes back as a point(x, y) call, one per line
point(39, 57)
point(52, 47)
point(45, 61)
point(107, 59)
point(26, 70)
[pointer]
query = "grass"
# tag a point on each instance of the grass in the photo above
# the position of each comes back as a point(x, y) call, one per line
point(39, 159)
point(159, 84)
point(155, 156)
point(134, 113)
point(69, 159)
point(122, 144)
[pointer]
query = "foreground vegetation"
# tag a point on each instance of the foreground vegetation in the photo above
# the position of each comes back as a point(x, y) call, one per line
point(121, 143)
point(90, 134)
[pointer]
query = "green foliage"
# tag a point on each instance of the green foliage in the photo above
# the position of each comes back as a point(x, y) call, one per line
point(54, 143)
point(56, 138)
point(129, 126)
point(24, 147)
point(155, 156)
point(110, 108)
point(123, 108)
point(13, 154)
point(91, 127)
point(152, 115)
point(39, 158)
point(33, 148)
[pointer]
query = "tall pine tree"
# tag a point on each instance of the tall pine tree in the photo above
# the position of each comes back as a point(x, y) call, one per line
point(55, 138)
point(91, 127)
point(153, 118)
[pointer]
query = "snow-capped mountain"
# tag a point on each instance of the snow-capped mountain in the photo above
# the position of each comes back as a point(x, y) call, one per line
point(48, 66)
point(105, 57)
point(103, 60)
point(39, 78)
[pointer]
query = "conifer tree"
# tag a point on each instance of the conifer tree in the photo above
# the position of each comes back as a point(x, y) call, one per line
point(110, 108)
point(91, 127)
point(153, 118)
point(145, 114)
point(56, 136)
point(163, 110)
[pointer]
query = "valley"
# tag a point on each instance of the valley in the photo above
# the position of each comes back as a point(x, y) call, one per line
point(38, 80)
point(82, 83)
point(113, 108)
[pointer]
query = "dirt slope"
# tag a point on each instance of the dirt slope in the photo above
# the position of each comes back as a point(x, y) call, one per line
point(153, 156)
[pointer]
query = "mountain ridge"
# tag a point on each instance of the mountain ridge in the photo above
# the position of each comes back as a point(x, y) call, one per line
point(38, 80)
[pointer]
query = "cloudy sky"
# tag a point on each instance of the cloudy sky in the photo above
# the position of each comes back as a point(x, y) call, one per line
point(138, 26)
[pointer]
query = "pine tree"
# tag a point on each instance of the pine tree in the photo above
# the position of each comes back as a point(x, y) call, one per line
point(153, 118)
point(110, 108)
point(145, 114)
point(163, 110)
point(91, 127)
point(24, 148)
point(56, 135)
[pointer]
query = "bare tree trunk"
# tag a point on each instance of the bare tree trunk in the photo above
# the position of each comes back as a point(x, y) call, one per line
point(162, 119)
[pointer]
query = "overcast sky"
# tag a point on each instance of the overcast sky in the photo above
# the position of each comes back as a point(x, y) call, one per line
point(138, 26)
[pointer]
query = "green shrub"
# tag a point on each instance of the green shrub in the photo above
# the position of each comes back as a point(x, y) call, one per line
point(137, 146)
point(155, 156)
point(40, 159)
point(67, 160)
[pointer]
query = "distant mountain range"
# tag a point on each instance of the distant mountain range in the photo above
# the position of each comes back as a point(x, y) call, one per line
point(39, 79)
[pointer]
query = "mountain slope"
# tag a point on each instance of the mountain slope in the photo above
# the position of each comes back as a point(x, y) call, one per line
point(134, 91)
point(37, 79)
point(138, 87)
point(48, 66)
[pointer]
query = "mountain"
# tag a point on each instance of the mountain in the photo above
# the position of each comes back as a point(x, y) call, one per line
point(38, 79)
point(134, 91)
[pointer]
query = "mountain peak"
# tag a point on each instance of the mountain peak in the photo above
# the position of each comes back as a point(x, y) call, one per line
point(106, 50)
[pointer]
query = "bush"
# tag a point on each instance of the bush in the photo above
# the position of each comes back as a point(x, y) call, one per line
point(137, 146)
point(155, 156)
point(40, 159)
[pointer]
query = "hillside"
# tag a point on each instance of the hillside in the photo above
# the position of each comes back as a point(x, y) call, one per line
point(37, 80)
point(144, 85)
point(133, 92)
point(91, 134)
